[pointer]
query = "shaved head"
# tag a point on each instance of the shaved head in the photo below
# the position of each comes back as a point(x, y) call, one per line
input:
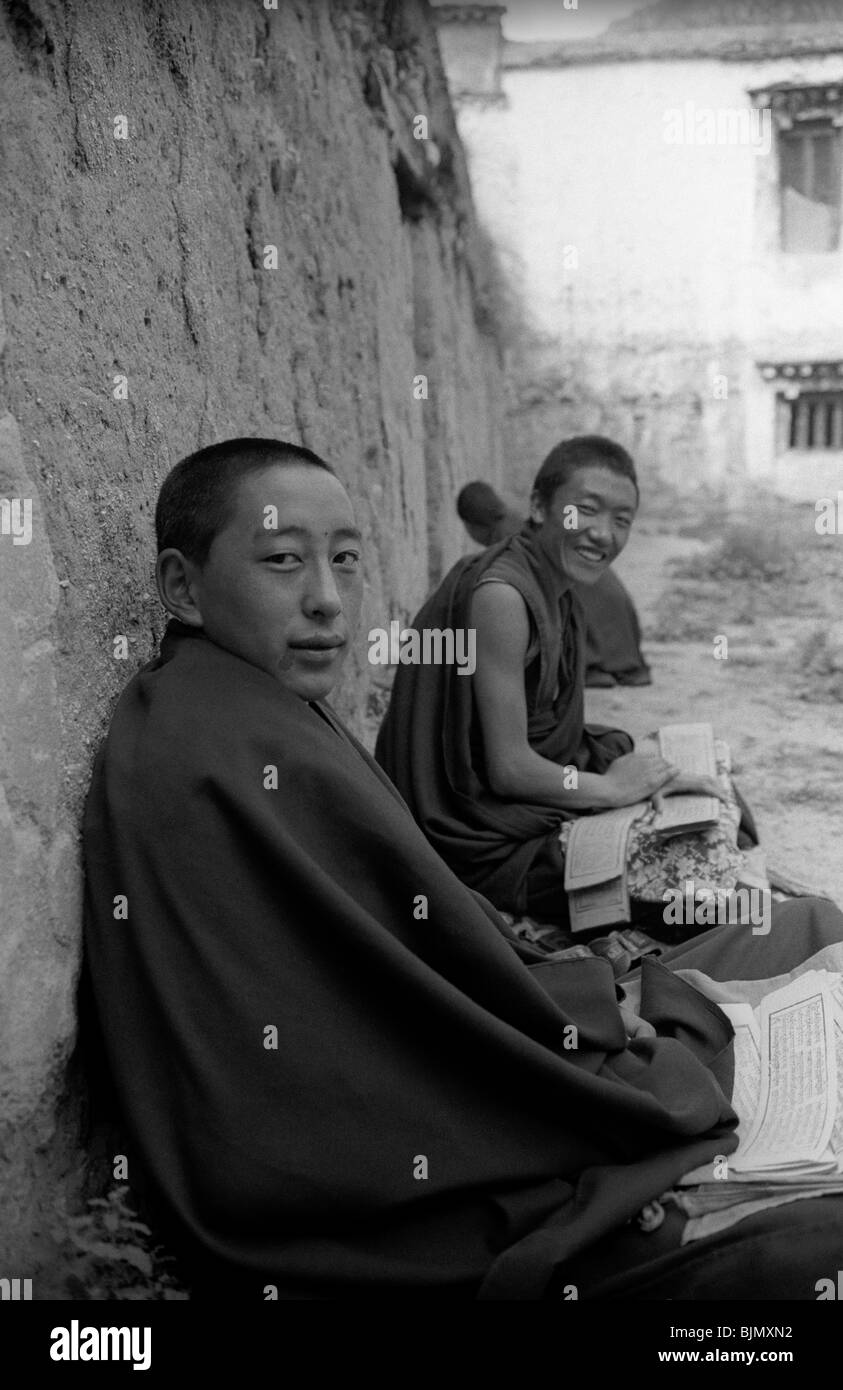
point(584, 451)
point(198, 495)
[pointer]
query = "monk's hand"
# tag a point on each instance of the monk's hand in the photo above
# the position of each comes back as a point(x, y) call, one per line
point(636, 1027)
point(637, 777)
point(696, 784)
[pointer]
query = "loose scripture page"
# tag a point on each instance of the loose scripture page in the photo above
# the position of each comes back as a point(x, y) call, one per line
point(596, 851)
point(751, 1077)
point(691, 748)
point(595, 868)
point(604, 905)
point(746, 1095)
point(798, 1105)
point(746, 1090)
point(837, 1131)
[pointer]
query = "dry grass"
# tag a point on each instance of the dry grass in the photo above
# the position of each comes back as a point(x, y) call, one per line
point(766, 568)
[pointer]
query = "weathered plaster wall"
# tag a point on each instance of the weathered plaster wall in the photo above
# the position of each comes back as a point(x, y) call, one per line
point(650, 269)
point(144, 257)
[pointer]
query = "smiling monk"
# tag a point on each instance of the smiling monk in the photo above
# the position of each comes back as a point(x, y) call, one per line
point(337, 1077)
point(486, 765)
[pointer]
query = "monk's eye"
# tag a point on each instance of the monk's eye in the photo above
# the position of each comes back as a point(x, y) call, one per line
point(347, 560)
point(283, 559)
point(623, 521)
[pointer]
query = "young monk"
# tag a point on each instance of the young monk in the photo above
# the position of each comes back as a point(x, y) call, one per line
point(612, 628)
point(485, 762)
point(337, 1076)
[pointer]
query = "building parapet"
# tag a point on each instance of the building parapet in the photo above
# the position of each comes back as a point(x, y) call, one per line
point(818, 375)
point(791, 102)
point(736, 45)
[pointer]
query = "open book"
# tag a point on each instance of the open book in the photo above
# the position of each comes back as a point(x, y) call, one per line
point(691, 748)
point(595, 855)
point(788, 1095)
point(595, 868)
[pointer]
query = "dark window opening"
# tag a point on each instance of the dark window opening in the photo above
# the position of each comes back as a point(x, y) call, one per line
point(815, 420)
point(810, 176)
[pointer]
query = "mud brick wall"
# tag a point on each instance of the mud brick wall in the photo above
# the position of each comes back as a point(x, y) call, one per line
point(141, 319)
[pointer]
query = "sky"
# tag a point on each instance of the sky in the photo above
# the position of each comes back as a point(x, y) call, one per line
point(548, 19)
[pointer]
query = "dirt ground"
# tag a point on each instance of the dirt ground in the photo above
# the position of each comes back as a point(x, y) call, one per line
point(787, 750)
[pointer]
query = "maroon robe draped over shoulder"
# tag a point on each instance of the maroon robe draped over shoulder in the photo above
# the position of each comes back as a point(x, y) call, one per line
point(612, 626)
point(430, 742)
point(301, 1002)
point(613, 633)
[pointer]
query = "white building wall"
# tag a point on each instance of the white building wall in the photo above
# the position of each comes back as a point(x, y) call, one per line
point(652, 270)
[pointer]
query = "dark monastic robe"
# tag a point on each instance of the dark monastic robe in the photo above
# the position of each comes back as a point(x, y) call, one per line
point(430, 742)
point(612, 627)
point(221, 906)
point(503, 526)
point(613, 633)
point(223, 903)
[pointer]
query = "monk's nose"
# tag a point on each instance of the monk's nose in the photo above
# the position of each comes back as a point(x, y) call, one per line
point(322, 597)
point(599, 530)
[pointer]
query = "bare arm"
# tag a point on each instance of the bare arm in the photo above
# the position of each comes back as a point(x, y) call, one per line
point(515, 770)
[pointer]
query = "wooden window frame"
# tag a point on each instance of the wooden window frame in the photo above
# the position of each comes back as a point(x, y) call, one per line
point(813, 422)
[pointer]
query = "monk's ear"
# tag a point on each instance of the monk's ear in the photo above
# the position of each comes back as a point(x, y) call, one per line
point(537, 511)
point(175, 576)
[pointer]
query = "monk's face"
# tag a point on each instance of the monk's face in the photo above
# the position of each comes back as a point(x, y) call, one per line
point(587, 524)
point(282, 585)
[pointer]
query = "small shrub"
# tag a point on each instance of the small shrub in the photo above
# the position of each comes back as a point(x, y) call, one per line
point(744, 552)
point(108, 1253)
point(679, 619)
point(694, 612)
point(820, 656)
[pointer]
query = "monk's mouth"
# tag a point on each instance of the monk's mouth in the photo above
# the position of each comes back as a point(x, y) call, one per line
point(591, 555)
point(317, 650)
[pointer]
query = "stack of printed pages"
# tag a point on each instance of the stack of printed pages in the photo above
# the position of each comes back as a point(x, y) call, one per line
point(596, 852)
point(690, 747)
point(788, 1095)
